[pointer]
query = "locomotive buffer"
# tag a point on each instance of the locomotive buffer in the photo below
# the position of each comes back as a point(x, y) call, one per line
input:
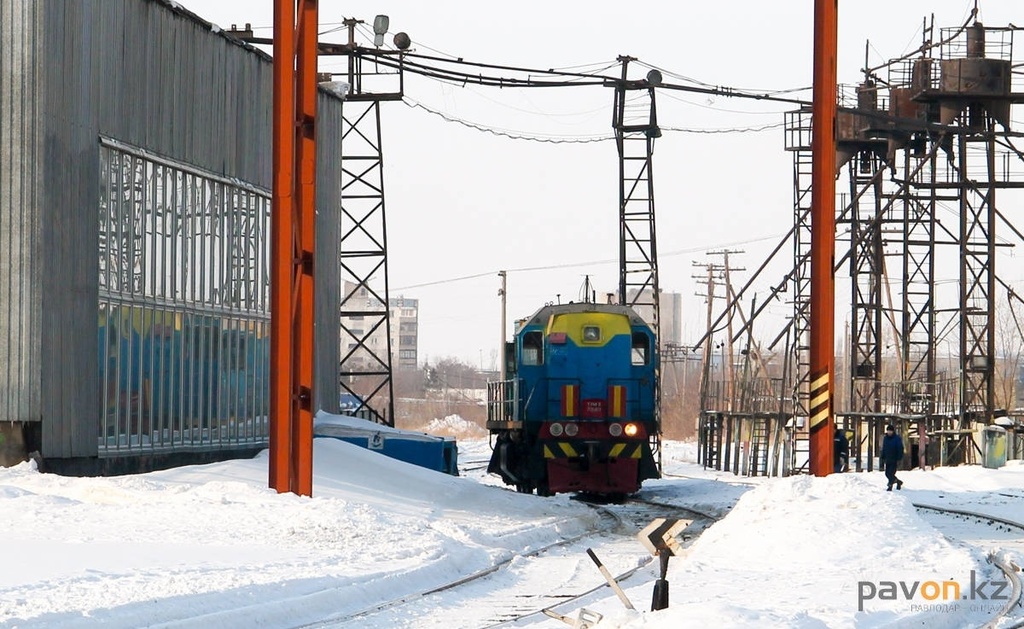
point(659, 537)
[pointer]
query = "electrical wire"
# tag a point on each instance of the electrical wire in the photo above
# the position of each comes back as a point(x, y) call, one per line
point(556, 139)
point(682, 77)
point(723, 109)
point(766, 127)
point(538, 112)
point(506, 133)
point(572, 265)
point(421, 64)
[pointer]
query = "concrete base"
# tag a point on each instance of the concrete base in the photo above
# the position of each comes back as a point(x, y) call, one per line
point(12, 444)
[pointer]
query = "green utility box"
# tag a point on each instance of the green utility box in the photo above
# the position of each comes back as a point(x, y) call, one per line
point(993, 440)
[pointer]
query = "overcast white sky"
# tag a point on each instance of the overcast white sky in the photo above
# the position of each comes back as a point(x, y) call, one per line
point(463, 202)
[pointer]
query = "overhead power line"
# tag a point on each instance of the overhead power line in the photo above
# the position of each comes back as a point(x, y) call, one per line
point(506, 133)
point(554, 139)
point(451, 70)
point(571, 265)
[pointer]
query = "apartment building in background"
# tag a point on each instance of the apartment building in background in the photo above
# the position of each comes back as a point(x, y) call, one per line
point(404, 318)
point(671, 311)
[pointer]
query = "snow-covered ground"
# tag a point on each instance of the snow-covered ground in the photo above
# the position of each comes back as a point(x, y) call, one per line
point(212, 546)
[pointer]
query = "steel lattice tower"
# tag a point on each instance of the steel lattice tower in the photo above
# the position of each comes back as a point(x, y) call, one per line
point(917, 326)
point(365, 368)
point(798, 141)
point(862, 144)
point(866, 274)
point(967, 92)
point(636, 128)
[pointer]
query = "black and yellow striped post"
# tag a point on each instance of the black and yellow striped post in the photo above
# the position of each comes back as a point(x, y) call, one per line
point(821, 422)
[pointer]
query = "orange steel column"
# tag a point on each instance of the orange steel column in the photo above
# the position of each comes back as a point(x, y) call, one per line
point(305, 241)
point(823, 221)
point(281, 233)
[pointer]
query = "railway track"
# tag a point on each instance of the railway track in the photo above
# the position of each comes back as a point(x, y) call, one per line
point(517, 590)
point(633, 514)
point(1001, 533)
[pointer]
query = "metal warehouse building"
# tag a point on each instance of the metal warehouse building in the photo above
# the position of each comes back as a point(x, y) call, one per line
point(135, 176)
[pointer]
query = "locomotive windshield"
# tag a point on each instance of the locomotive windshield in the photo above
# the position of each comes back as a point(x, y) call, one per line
point(533, 348)
point(641, 349)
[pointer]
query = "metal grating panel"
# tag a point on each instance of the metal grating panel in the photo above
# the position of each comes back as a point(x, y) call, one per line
point(183, 93)
point(184, 289)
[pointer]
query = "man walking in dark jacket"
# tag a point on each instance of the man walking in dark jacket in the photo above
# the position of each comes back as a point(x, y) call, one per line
point(892, 452)
point(841, 454)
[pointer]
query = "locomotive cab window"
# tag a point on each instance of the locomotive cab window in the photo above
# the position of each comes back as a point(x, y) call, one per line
point(533, 348)
point(641, 349)
point(591, 334)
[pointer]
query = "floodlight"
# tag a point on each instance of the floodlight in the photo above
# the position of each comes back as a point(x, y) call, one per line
point(380, 26)
point(654, 77)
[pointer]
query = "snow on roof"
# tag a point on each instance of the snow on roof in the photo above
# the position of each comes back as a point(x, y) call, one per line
point(330, 425)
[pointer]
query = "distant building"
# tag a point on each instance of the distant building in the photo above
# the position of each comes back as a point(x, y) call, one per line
point(404, 331)
point(404, 319)
point(671, 310)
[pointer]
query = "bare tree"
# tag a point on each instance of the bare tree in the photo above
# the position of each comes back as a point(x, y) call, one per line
point(1009, 351)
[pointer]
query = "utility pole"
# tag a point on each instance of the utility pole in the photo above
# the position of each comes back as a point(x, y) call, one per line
point(729, 371)
point(823, 222)
point(503, 293)
point(709, 295)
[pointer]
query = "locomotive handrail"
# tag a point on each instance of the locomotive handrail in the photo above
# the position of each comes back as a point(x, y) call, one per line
point(503, 400)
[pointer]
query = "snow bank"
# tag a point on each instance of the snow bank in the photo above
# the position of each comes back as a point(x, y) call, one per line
point(455, 426)
point(807, 552)
point(147, 549)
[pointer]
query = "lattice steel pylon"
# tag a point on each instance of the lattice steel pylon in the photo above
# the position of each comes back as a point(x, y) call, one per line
point(918, 200)
point(968, 93)
point(863, 145)
point(977, 280)
point(365, 369)
point(866, 262)
point(636, 127)
point(798, 141)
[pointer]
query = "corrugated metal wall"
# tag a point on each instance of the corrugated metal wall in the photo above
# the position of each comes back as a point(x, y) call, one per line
point(152, 76)
point(21, 133)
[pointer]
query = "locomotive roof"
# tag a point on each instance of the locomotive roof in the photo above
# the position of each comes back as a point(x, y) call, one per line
point(544, 313)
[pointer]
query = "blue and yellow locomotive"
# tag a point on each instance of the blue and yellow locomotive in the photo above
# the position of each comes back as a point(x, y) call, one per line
point(577, 410)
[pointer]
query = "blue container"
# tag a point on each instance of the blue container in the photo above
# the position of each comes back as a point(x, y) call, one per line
point(430, 451)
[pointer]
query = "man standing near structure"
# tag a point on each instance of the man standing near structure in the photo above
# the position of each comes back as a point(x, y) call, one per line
point(841, 455)
point(892, 452)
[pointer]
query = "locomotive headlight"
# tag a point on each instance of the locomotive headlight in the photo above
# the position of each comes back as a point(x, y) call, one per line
point(615, 429)
point(555, 430)
point(572, 430)
point(631, 430)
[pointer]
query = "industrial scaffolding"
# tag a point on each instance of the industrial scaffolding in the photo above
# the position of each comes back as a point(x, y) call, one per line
point(933, 135)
